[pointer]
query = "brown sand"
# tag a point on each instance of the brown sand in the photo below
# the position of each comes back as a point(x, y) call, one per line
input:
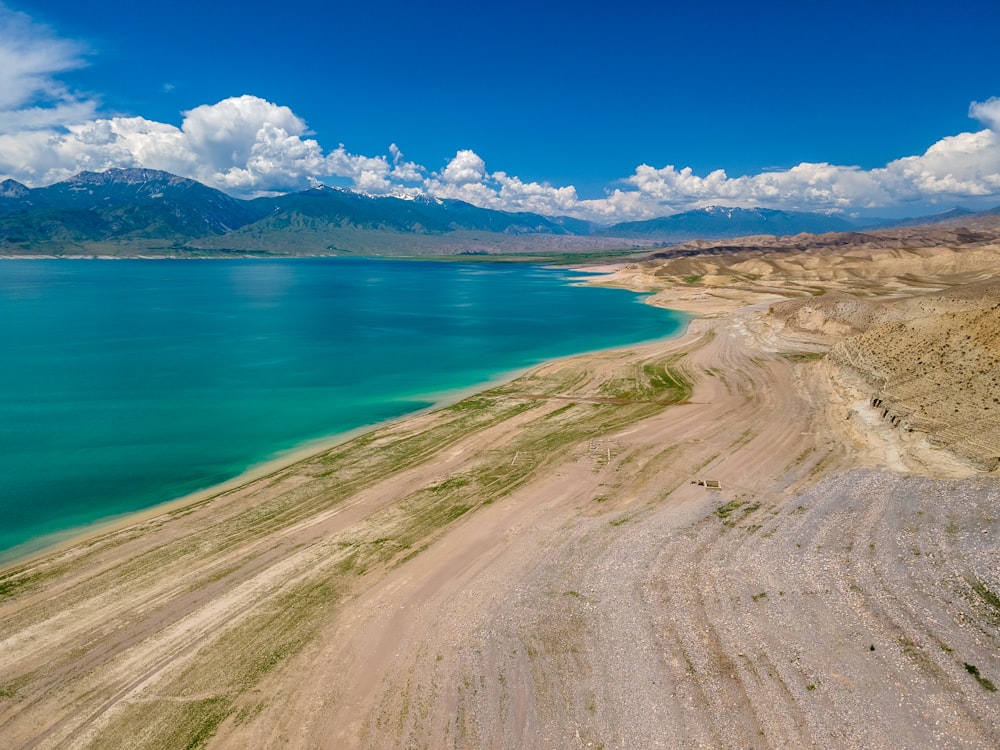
point(533, 567)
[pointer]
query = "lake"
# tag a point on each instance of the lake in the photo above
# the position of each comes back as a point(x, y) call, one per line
point(127, 383)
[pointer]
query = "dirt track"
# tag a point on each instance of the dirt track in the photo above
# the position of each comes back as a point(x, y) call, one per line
point(534, 568)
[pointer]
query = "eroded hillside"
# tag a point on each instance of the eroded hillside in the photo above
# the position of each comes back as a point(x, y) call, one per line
point(938, 374)
point(910, 317)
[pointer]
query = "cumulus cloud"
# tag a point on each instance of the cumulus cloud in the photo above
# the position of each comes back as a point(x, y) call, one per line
point(228, 132)
point(465, 178)
point(650, 191)
point(516, 195)
point(963, 165)
point(988, 113)
point(467, 167)
point(807, 184)
point(966, 166)
point(402, 170)
point(243, 144)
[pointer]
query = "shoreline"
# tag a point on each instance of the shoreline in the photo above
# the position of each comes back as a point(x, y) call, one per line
point(60, 541)
point(285, 459)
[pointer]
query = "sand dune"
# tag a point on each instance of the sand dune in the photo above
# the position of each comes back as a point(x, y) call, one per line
point(537, 565)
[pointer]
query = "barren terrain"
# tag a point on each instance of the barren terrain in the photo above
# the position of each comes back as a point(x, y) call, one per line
point(543, 565)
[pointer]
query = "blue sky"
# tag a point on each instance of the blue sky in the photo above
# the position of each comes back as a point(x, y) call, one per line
point(606, 111)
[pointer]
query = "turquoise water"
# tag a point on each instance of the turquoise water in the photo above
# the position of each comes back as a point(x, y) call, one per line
point(127, 383)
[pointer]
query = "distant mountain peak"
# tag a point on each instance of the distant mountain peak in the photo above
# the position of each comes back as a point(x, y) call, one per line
point(955, 213)
point(715, 222)
point(726, 211)
point(429, 199)
point(14, 189)
point(121, 204)
point(127, 176)
point(730, 211)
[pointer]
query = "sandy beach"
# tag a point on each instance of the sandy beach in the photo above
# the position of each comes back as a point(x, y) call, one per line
point(717, 540)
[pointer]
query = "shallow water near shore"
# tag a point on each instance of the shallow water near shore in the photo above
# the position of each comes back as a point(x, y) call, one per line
point(128, 383)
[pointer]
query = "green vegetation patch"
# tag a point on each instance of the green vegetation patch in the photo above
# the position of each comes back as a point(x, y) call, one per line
point(984, 593)
point(20, 581)
point(664, 382)
point(12, 688)
point(411, 525)
point(227, 668)
point(726, 510)
point(803, 356)
point(974, 671)
point(451, 484)
point(197, 724)
point(560, 410)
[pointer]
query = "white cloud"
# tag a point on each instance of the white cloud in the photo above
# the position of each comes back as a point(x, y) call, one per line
point(966, 165)
point(516, 195)
point(806, 186)
point(276, 160)
point(465, 178)
point(467, 167)
point(402, 170)
point(656, 192)
point(226, 133)
point(31, 56)
point(244, 144)
point(963, 165)
point(151, 144)
point(988, 113)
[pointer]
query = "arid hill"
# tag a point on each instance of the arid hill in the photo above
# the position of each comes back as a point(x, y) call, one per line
point(938, 374)
point(910, 316)
point(959, 232)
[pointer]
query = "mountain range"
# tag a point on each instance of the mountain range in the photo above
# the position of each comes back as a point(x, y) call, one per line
point(144, 211)
point(715, 222)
